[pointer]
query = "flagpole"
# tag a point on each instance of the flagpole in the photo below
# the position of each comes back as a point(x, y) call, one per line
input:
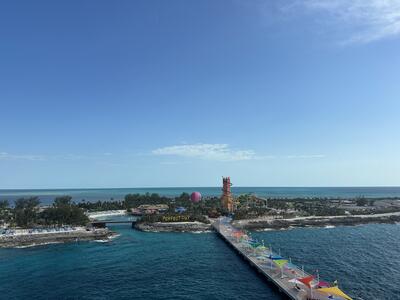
point(270, 254)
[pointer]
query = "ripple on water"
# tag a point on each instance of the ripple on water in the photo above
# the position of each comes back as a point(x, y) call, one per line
point(140, 265)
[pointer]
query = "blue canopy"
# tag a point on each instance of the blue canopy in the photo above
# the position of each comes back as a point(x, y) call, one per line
point(275, 257)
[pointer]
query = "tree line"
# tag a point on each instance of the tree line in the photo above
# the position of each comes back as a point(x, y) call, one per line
point(27, 213)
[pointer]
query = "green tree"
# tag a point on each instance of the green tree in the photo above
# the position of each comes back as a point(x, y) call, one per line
point(62, 201)
point(361, 201)
point(5, 216)
point(25, 211)
point(63, 212)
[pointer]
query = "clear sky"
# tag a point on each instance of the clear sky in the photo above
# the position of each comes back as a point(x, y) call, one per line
point(178, 93)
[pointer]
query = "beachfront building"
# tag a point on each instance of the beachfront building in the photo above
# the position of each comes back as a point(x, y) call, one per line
point(149, 209)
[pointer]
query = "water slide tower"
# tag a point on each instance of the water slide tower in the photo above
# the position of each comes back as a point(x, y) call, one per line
point(227, 199)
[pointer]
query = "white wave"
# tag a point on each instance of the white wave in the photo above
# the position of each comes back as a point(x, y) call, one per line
point(114, 236)
point(202, 231)
point(36, 244)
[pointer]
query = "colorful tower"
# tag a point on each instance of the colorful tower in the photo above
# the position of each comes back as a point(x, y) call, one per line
point(227, 199)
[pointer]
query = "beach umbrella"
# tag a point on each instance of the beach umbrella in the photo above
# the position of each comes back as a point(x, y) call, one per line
point(307, 280)
point(295, 281)
point(290, 266)
point(261, 258)
point(280, 262)
point(261, 248)
point(335, 291)
point(323, 284)
point(275, 257)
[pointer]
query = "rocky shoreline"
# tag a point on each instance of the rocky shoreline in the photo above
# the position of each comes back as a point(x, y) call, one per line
point(54, 238)
point(173, 227)
point(277, 224)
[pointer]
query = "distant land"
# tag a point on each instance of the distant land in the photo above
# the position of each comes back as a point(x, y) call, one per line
point(94, 194)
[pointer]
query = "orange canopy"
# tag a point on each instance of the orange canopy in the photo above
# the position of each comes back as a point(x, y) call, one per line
point(306, 280)
point(238, 234)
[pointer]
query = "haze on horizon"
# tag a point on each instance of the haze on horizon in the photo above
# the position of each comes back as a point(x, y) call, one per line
point(179, 93)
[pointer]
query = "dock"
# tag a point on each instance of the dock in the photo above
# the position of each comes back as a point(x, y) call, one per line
point(289, 279)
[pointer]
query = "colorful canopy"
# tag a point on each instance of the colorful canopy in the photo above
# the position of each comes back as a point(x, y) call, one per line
point(280, 262)
point(291, 266)
point(262, 248)
point(275, 257)
point(334, 291)
point(238, 234)
point(294, 280)
point(323, 284)
point(307, 280)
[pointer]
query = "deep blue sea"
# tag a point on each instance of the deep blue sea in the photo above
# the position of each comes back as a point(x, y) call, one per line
point(47, 196)
point(138, 265)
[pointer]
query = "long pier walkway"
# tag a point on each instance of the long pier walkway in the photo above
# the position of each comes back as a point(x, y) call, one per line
point(287, 277)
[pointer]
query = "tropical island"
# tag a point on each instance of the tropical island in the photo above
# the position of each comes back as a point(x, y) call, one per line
point(27, 222)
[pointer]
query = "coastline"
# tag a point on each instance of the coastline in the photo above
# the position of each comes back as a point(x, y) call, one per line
point(316, 221)
point(31, 240)
point(173, 227)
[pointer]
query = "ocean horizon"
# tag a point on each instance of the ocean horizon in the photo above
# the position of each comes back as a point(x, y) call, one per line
point(46, 196)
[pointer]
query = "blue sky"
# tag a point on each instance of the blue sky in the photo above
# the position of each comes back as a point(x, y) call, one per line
point(179, 93)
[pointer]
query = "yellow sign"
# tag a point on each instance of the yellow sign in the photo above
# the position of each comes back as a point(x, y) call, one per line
point(178, 218)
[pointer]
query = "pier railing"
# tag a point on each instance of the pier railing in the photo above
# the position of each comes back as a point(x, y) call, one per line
point(292, 281)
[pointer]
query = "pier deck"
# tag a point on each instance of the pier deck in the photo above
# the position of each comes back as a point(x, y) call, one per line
point(265, 266)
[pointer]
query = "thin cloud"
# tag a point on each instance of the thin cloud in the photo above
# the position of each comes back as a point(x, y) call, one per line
point(307, 156)
point(217, 152)
point(221, 152)
point(9, 156)
point(368, 20)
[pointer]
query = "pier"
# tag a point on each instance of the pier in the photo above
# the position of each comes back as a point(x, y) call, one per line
point(290, 280)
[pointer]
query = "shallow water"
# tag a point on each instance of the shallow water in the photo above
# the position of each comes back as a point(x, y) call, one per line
point(139, 265)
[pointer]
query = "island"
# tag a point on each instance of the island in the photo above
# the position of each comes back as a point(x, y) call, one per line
point(28, 223)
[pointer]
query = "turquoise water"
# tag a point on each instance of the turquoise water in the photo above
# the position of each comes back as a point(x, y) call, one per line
point(139, 265)
point(47, 196)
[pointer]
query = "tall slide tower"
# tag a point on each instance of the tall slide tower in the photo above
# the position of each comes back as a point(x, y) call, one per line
point(227, 199)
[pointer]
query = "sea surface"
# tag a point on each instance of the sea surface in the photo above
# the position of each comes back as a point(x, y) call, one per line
point(138, 265)
point(47, 196)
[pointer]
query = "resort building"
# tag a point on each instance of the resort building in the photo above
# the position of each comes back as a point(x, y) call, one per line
point(149, 209)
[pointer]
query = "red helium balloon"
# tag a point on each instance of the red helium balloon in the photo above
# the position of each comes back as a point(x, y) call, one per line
point(195, 197)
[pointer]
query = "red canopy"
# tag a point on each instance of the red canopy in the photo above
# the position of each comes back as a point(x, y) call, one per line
point(323, 284)
point(306, 280)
